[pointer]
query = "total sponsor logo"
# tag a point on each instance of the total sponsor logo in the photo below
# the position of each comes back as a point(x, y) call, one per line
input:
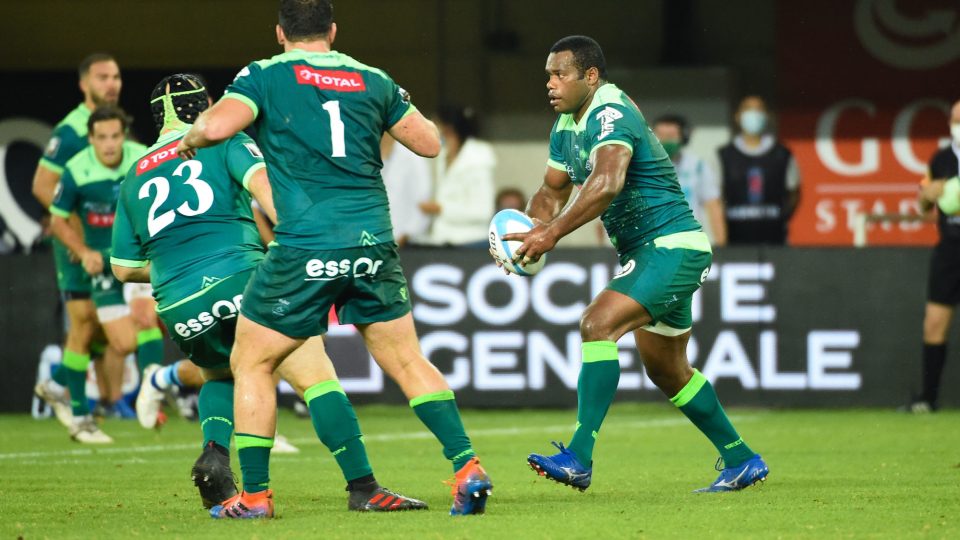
point(318, 270)
point(155, 159)
point(220, 311)
point(340, 81)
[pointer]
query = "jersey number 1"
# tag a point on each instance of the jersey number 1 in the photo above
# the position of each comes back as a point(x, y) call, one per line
point(157, 223)
point(337, 143)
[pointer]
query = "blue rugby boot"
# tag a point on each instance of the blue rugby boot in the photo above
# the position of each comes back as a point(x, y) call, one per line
point(470, 488)
point(564, 468)
point(736, 478)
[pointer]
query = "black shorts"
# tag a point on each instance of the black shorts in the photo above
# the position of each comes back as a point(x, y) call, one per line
point(943, 284)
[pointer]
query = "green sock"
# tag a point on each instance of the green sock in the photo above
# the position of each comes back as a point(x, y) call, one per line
point(698, 401)
point(596, 387)
point(254, 454)
point(149, 347)
point(59, 375)
point(336, 425)
point(215, 405)
point(438, 411)
point(75, 368)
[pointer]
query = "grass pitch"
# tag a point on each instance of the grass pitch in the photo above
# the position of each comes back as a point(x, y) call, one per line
point(862, 474)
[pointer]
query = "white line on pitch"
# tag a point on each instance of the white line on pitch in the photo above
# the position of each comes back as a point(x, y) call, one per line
point(383, 437)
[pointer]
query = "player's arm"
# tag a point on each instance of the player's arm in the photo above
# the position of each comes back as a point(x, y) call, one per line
point(603, 185)
point(552, 196)
point(127, 259)
point(259, 187)
point(930, 191)
point(45, 185)
point(60, 226)
point(217, 124)
point(418, 134)
point(718, 224)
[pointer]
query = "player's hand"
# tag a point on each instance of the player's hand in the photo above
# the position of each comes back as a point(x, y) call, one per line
point(537, 241)
point(431, 208)
point(185, 151)
point(92, 262)
point(497, 260)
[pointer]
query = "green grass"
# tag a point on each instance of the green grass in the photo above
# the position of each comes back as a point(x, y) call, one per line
point(834, 474)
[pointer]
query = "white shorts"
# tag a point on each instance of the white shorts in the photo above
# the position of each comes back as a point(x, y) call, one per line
point(132, 291)
point(108, 314)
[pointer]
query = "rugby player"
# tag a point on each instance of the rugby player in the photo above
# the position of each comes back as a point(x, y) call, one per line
point(89, 187)
point(602, 144)
point(320, 115)
point(187, 227)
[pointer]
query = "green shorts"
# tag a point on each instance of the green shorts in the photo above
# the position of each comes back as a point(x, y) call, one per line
point(106, 289)
point(663, 275)
point(204, 324)
point(71, 277)
point(292, 289)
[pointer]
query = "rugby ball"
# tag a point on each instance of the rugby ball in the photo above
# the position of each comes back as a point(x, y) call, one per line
point(506, 222)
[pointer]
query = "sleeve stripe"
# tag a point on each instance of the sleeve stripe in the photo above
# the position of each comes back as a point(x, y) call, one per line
point(250, 172)
point(556, 165)
point(612, 141)
point(128, 263)
point(51, 166)
point(245, 100)
point(58, 211)
point(410, 110)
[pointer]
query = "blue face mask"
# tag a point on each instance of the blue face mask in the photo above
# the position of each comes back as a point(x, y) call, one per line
point(752, 121)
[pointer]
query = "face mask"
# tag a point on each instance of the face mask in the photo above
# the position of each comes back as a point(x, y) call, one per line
point(955, 131)
point(753, 121)
point(672, 148)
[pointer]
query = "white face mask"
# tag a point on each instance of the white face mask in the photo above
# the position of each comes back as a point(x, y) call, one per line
point(955, 132)
point(753, 121)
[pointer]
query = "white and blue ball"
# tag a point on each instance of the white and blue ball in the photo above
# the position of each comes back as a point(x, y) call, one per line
point(508, 222)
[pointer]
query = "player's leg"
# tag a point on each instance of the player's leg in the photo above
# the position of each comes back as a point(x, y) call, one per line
point(936, 326)
point(121, 342)
point(157, 380)
point(311, 373)
point(606, 319)
point(76, 355)
point(211, 472)
point(663, 349)
point(143, 311)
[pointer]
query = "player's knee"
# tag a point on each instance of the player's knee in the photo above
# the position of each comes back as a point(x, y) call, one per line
point(594, 328)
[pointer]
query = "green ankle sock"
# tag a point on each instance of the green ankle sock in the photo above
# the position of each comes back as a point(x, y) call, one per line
point(438, 411)
point(254, 454)
point(149, 347)
point(75, 372)
point(698, 401)
point(337, 427)
point(215, 407)
point(596, 388)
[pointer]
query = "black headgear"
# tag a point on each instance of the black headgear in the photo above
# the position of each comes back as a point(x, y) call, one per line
point(178, 98)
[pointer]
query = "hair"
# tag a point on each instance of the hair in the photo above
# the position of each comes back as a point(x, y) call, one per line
point(509, 192)
point(94, 58)
point(463, 120)
point(108, 112)
point(187, 97)
point(679, 121)
point(305, 20)
point(586, 53)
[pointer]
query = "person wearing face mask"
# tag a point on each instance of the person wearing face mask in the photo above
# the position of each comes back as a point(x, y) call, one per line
point(943, 285)
point(697, 180)
point(761, 182)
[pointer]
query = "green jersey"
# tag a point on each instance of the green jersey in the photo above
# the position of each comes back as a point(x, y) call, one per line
point(91, 189)
point(69, 137)
point(319, 120)
point(191, 220)
point(651, 203)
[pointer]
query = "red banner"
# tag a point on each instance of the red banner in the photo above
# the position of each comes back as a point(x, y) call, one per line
point(865, 91)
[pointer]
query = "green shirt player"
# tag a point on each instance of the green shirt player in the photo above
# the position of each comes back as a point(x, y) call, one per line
point(88, 188)
point(187, 227)
point(602, 144)
point(319, 116)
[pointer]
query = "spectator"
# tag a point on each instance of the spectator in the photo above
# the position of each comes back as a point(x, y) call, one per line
point(761, 182)
point(406, 176)
point(697, 180)
point(511, 198)
point(464, 192)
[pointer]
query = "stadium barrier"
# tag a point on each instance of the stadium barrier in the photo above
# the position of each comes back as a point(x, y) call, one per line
point(773, 327)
